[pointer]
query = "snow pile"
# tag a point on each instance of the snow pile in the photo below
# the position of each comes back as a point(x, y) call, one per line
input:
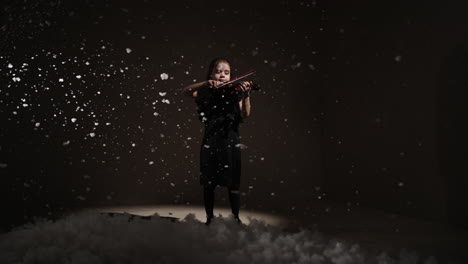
point(94, 238)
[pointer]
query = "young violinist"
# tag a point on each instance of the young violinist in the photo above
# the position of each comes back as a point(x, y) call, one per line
point(221, 111)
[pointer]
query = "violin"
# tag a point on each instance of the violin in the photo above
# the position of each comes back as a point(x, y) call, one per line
point(235, 83)
point(236, 86)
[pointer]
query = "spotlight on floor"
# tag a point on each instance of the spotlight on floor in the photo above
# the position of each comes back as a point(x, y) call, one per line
point(178, 212)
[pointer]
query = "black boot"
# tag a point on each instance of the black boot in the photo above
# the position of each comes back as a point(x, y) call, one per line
point(208, 197)
point(237, 220)
point(234, 199)
point(208, 220)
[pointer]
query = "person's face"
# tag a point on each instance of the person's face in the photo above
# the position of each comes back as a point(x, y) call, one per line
point(222, 72)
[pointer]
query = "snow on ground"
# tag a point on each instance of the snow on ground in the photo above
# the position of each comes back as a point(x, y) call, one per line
point(98, 238)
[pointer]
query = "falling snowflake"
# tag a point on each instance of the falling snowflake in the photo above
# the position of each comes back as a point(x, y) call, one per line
point(164, 76)
point(297, 65)
point(128, 50)
point(241, 146)
point(162, 93)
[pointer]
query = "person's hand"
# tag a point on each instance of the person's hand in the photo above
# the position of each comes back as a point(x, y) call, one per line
point(213, 83)
point(246, 88)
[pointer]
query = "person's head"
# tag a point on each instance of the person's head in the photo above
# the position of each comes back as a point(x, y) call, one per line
point(219, 70)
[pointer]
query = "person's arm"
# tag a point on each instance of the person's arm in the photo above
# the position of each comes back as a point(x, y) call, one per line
point(244, 105)
point(192, 90)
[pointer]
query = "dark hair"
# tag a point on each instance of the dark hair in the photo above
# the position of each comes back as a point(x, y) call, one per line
point(213, 64)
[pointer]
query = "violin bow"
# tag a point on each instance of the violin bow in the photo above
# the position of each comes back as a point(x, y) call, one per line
point(238, 78)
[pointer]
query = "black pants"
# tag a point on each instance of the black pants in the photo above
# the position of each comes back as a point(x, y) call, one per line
point(208, 197)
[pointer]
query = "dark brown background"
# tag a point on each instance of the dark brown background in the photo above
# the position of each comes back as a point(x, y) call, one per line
point(361, 103)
